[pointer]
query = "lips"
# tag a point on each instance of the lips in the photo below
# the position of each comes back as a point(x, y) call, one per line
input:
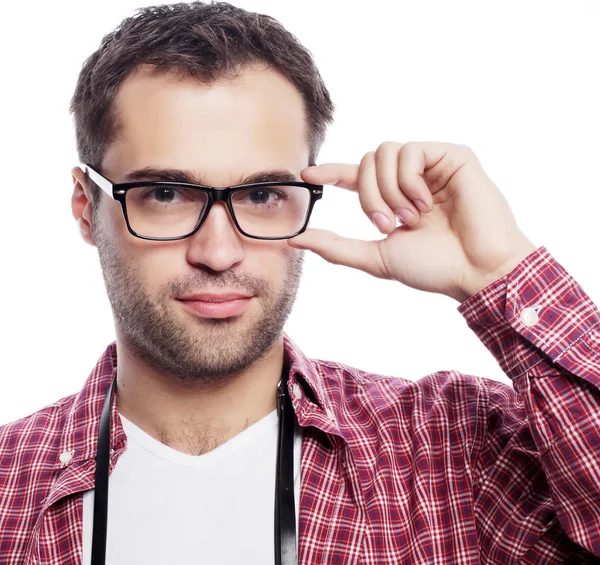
point(207, 305)
point(215, 297)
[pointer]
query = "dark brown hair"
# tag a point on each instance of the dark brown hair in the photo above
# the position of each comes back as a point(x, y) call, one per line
point(207, 41)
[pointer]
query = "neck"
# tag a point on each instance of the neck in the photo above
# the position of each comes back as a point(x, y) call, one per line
point(190, 419)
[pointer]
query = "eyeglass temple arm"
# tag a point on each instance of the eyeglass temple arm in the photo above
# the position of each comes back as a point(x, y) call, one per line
point(104, 184)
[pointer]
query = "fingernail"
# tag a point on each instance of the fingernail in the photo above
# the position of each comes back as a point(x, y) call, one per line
point(381, 222)
point(421, 206)
point(405, 215)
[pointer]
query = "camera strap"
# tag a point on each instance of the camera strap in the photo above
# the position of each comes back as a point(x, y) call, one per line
point(285, 513)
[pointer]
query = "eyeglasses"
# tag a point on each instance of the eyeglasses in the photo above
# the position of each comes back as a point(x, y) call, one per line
point(165, 211)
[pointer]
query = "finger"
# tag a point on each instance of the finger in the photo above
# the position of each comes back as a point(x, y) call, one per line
point(343, 175)
point(386, 160)
point(372, 202)
point(443, 161)
point(334, 248)
point(347, 176)
point(412, 161)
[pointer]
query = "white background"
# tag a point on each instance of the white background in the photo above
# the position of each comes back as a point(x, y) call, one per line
point(515, 80)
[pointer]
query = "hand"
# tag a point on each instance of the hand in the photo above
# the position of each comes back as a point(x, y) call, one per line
point(457, 233)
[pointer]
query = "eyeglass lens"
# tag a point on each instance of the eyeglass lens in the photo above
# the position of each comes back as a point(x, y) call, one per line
point(274, 211)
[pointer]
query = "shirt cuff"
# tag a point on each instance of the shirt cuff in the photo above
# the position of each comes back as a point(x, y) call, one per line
point(537, 311)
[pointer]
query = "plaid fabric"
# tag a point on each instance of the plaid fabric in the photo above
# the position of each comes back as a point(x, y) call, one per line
point(449, 469)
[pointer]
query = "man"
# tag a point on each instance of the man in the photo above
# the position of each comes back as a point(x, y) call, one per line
point(449, 469)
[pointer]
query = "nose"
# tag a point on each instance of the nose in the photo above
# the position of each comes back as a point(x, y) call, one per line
point(217, 244)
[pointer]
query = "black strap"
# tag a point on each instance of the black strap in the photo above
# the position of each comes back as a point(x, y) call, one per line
point(285, 522)
point(101, 481)
point(285, 511)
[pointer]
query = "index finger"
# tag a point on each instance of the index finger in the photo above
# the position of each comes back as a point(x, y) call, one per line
point(343, 175)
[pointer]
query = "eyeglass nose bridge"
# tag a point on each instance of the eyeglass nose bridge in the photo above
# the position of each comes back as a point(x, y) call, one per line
point(219, 194)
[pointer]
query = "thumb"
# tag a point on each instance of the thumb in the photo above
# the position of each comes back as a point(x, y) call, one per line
point(339, 250)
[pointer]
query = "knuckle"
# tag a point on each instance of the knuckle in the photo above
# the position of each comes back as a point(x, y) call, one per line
point(410, 146)
point(367, 157)
point(465, 154)
point(408, 182)
point(388, 146)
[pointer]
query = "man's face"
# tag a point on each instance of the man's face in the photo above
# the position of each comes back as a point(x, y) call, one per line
point(221, 134)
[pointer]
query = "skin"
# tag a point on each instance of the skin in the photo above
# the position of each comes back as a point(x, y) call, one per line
point(457, 233)
point(192, 382)
point(456, 236)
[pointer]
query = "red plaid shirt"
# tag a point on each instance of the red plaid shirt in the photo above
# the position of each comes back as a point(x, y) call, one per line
point(449, 469)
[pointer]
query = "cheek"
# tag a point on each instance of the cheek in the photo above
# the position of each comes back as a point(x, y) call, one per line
point(151, 264)
point(110, 221)
point(282, 267)
point(271, 261)
point(157, 265)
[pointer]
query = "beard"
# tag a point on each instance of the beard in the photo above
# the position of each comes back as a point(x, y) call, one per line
point(203, 352)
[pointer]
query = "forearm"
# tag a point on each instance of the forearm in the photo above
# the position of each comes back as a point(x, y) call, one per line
point(545, 333)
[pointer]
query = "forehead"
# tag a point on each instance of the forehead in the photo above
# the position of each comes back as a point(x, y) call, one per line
point(224, 129)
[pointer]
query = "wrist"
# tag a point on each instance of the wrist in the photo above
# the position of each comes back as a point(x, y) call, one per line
point(478, 281)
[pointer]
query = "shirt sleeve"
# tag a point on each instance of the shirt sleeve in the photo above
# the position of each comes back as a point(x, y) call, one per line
point(537, 460)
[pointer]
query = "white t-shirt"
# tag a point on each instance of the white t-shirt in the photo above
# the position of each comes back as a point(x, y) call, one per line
point(170, 508)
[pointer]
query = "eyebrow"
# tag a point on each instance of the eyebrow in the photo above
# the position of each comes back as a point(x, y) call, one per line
point(178, 175)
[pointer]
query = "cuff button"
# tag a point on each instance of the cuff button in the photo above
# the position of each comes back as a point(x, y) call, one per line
point(529, 317)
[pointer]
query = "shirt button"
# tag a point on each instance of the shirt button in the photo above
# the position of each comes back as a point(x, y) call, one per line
point(529, 317)
point(297, 391)
point(65, 457)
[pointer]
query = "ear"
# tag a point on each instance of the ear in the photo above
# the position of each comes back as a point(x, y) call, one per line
point(81, 206)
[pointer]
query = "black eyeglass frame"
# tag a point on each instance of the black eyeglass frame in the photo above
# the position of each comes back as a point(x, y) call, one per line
point(118, 191)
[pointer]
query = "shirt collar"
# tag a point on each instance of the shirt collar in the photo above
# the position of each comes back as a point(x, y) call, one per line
point(304, 370)
point(313, 391)
point(80, 432)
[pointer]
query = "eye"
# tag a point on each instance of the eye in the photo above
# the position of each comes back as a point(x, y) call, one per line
point(164, 194)
point(260, 195)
